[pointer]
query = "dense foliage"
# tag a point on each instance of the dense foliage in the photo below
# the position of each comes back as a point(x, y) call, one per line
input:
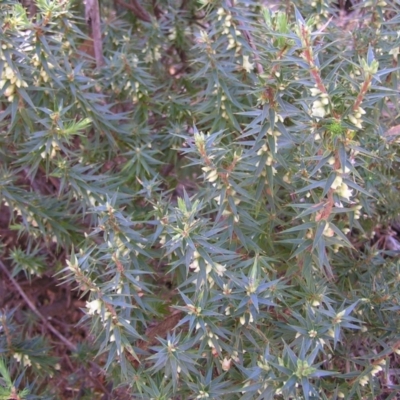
point(220, 193)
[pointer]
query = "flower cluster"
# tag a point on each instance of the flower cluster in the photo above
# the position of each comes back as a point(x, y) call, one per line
point(356, 117)
point(9, 76)
point(95, 307)
point(152, 54)
point(211, 174)
point(320, 107)
point(233, 42)
point(219, 269)
point(224, 114)
point(357, 211)
point(363, 381)
point(341, 188)
point(264, 150)
point(227, 18)
point(246, 318)
point(23, 359)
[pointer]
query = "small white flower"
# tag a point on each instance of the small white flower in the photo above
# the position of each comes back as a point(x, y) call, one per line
point(72, 266)
point(318, 109)
point(363, 381)
point(172, 35)
point(325, 101)
point(232, 43)
point(312, 333)
point(328, 231)
point(353, 119)
point(361, 110)
point(226, 364)
point(9, 73)
point(315, 91)
point(226, 290)
point(202, 395)
point(94, 306)
point(376, 370)
point(337, 182)
point(9, 91)
point(219, 269)
point(194, 265)
point(247, 65)
point(344, 191)
point(220, 13)
point(212, 176)
point(203, 37)
point(286, 178)
point(331, 160)
point(23, 359)
point(341, 314)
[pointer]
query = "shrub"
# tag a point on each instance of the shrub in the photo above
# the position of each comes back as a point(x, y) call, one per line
point(220, 192)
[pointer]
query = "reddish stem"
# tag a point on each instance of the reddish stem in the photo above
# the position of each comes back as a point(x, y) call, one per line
point(363, 91)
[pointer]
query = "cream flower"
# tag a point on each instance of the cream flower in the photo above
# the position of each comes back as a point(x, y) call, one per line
point(23, 359)
point(318, 109)
point(344, 191)
point(315, 91)
point(226, 364)
point(328, 231)
point(219, 269)
point(94, 306)
point(337, 182)
point(247, 65)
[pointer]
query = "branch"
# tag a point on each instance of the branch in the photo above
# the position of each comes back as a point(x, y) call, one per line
point(51, 328)
point(93, 18)
point(136, 8)
point(45, 322)
point(157, 10)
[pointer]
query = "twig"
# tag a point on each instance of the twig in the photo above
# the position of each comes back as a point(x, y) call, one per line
point(6, 330)
point(136, 8)
point(46, 323)
point(69, 344)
